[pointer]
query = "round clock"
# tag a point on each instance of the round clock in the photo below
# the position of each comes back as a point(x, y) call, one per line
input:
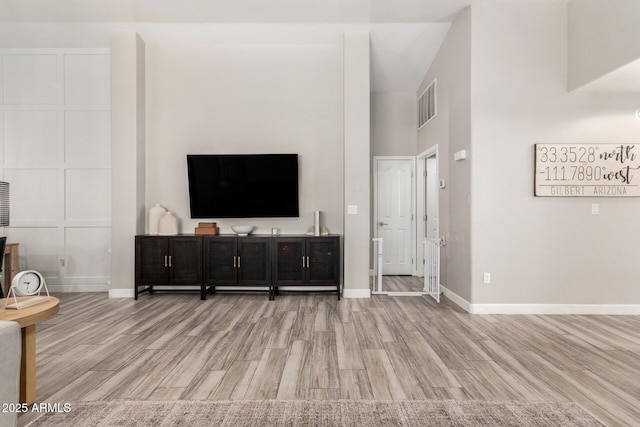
point(27, 283)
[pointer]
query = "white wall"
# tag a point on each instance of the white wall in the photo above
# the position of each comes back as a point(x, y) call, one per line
point(603, 36)
point(357, 165)
point(233, 92)
point(542, 250)
point(222, 99)
point(128, 145)
point(394, 120)
point(450, 130)
point(55, 153)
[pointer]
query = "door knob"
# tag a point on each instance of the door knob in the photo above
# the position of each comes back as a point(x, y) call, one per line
point(380, 224)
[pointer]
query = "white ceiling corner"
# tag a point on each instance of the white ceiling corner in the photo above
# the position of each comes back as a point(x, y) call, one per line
point(623, 80)
point(401, 54)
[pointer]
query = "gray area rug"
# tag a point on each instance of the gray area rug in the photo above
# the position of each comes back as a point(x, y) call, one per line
point(320, 413)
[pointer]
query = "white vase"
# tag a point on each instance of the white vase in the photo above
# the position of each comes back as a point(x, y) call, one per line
point(155, 213)
point(316, 223)
point(168, 225)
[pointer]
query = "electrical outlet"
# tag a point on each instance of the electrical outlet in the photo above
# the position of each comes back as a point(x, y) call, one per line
point(487, 277)
point(62, 262)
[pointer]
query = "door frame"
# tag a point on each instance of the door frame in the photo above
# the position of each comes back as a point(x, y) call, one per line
point(413, 202)
point(420, 205)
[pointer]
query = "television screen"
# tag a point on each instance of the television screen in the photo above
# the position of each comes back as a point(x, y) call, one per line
point(243, 185)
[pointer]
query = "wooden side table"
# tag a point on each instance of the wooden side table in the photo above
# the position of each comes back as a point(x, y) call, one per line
point(27, 318)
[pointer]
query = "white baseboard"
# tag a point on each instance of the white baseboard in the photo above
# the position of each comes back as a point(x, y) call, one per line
point(456, 299)
point(601, 309)
point(79, 287)
point(585, 309)
point(121, 293)
point(356, 293)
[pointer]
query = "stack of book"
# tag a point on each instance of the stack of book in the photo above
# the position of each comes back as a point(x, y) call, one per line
point(207, 229)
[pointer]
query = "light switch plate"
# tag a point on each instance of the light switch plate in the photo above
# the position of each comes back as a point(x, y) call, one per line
point(352, 209)
point(595, 209)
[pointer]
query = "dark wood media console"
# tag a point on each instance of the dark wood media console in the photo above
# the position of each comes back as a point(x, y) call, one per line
point(237, 261)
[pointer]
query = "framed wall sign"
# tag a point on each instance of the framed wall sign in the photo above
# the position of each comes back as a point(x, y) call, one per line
point(587, 170)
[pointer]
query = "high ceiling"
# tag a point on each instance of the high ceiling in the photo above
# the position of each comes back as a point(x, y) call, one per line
point(262, 11)
point(405, 34)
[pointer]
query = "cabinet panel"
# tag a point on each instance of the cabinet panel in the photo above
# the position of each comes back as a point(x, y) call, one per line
point(289, 261)
point(220, 260)
point(324, 257)
point(151, 254)
point(254, 261)
point(185, 261)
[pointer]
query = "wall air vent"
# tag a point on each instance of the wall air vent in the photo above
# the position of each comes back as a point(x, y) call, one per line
point(427, 105)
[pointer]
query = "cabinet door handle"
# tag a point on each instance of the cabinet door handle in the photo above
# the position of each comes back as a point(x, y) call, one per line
point(170, 261)
point(165, 261)
point(303, 266)
point(238, 261)
point(234, 261)
point(307, 261)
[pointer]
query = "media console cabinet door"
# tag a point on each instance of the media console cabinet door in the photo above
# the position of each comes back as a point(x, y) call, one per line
point(254, 261)
point(221, 260)
point(151, 259)
point(185, 260)
point(290, 261)
point(587, 170)
point(323, 262)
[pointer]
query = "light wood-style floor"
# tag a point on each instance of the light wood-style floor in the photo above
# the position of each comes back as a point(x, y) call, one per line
point(311, 346)
point(402, 284)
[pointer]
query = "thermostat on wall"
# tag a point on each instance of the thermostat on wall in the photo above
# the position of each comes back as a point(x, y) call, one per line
point(460, 155)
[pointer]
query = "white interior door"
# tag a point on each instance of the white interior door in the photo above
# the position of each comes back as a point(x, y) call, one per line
point(394, 213)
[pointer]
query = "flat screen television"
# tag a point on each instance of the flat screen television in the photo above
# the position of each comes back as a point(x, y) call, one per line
point(243, 185)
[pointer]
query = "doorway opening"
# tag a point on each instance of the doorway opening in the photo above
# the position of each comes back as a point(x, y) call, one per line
point(428, 188)
point(405, 214)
